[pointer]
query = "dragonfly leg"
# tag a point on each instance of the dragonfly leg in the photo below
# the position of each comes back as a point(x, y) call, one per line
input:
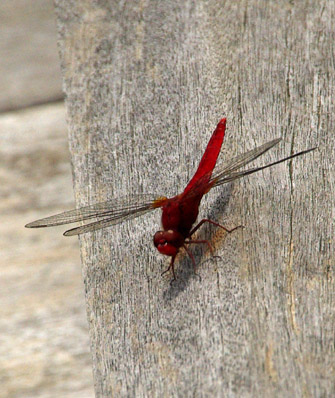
point(201, 241)
point(214, 223)
point(193, 260)
point(170, 267)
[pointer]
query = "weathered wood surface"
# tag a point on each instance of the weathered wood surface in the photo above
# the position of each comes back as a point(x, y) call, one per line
point(146, 83)
point(29, 63)
point(44, 345)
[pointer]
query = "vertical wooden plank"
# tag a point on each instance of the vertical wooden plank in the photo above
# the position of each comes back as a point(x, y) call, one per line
point(146, 83)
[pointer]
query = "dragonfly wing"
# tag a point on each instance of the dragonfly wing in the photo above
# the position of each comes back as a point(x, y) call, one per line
point(242, 160)
point(224, 173)
point(115, 209)
point(228, 177)
point(108, 222)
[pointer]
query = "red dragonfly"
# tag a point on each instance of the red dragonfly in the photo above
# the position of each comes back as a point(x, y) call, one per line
point(180, 212)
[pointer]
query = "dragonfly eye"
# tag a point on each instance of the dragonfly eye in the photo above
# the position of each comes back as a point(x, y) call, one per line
point(168, 242)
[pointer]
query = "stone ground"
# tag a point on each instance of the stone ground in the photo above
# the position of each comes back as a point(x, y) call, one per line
point(44, 344)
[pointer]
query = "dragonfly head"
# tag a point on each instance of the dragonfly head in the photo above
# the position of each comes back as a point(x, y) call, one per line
point(168, 242)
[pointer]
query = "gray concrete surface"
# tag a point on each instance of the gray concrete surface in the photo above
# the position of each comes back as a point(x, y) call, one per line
point(44, 345)
point(29, 62)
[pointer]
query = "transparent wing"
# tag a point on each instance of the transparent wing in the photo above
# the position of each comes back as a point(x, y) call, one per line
point(108, 222)
point(113, 211)
point(224, 178)
point(242, 160)
point(228, 169)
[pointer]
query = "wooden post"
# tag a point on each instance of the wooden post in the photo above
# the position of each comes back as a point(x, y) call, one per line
point(146, 83)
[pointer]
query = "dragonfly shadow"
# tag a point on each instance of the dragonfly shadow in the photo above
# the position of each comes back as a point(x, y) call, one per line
point(184, 266)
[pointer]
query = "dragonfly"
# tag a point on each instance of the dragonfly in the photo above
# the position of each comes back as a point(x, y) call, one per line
point(180, 212)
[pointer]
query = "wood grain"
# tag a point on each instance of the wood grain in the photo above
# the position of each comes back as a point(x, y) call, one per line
point(146, 83)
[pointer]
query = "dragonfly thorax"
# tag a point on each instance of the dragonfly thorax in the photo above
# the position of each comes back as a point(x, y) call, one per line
point(168, 242)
